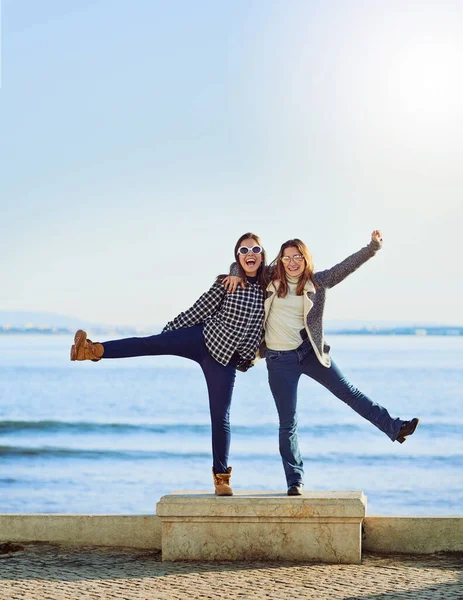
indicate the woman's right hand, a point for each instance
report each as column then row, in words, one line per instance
column 231, row 282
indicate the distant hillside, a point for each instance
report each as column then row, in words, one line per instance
column 332, row 325
column 12, row 322
column 21, row 322
column 19, row 318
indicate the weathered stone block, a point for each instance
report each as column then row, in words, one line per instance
column 318, row 526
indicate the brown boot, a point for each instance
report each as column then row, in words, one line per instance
column 222, row 483
column 408, row 428
column 85, row 349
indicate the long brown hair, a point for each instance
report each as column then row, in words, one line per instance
column 279, row 272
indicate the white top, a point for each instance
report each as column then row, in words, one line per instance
column 285, row 320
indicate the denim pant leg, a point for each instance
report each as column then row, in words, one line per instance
column 187, row 343
column 336, row 383
column 283, row 377
column 220, row 381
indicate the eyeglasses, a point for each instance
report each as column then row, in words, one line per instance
column 298, row 258
column 244, row 250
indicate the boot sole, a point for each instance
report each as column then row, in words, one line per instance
column 79, row 339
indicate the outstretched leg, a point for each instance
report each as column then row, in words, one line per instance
column 336, row 383
column 187, row 342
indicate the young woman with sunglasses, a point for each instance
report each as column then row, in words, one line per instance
column 294, row 346
column 221, row 332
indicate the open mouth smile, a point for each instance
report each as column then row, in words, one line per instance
column 250, row 262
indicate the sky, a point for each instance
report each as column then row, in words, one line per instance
column 139, row 140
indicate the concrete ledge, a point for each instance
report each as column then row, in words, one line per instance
column 386, row 535
column 83, row 530
column 413, row 535
column 320, row 526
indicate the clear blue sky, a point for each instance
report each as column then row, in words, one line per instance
column 139, row 139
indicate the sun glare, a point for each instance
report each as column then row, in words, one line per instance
column 427, row 81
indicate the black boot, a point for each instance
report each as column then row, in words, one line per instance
column 295, row 489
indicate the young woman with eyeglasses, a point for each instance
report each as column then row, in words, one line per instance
column 221, row 332
column 294, row 346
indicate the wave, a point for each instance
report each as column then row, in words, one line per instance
column 50, row 426
column 336, row 458
column 85, row 427
column 57, row 452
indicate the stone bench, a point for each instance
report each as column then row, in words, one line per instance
column 318, row 526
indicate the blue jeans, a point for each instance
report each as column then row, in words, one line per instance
column 220, row 379
column 284, row 371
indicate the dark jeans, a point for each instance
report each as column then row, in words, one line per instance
column 220, row 379
column 284, row 371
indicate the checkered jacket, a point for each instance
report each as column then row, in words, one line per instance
column 232, row 322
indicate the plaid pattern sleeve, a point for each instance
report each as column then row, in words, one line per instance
column 204, row 307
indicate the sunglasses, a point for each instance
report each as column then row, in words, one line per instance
column 244, row 250
column 298, row 258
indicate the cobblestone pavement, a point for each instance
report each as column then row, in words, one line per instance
column 45, row 572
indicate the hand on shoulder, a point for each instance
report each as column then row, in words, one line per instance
column 231, row 283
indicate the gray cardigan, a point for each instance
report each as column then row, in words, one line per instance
column 314, row 300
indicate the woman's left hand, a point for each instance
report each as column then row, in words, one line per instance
column 377, row 236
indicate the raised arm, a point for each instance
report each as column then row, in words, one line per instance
column 205, row 306
column 336, row 274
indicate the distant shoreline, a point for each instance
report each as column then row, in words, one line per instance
column 414, row 331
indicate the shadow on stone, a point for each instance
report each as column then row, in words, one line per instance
column 8, row 547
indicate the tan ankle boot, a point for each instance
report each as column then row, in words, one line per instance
column 85, row 349
column 222, row 483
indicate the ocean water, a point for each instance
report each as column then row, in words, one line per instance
column 114, row 436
